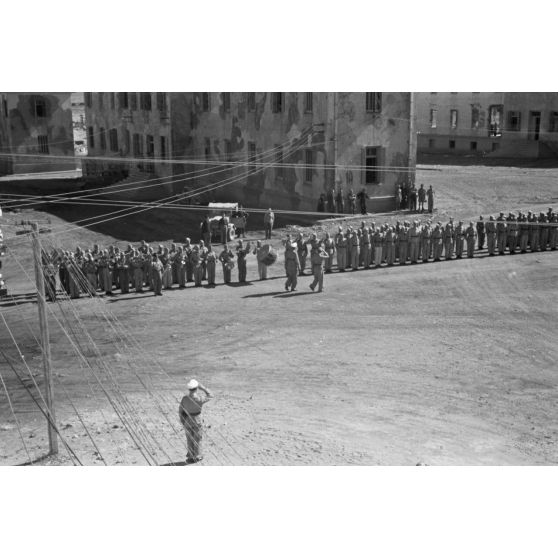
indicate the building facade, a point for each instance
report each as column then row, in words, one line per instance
column 5, row 142
column 40, row 130
column 516, row 125
column 261, row 149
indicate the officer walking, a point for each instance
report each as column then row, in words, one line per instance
column 190, row 417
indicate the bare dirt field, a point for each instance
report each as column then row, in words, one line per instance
column 448, row 363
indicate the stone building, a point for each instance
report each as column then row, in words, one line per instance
column 261, row 149
column 517, row 125
column 39, row 124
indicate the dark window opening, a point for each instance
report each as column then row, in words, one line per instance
column 553, row 123
column 91, row 135
column 207, row 149
column 452, row 144
column 161, row 102
column 473, row 146
column 206, row 102
column 137, row 146
column 309, row 162
column 252, row 155
column 494, row 146
column 514, row 121
column 103, row 138
column 371, row 174
column 134, row 101
column 226, row 102
column 123, row 100
column 112, row 101
column 433, row 118
column 308, row 102
column 431, row 144
column 88, row 100
column 373, row 102
column 276, row 102
column 40, row 107
column 228, row 150
column 251, row 101
column 100, row 99
column 145, row 101
column 475, row 117
column 163, row 147
column 43, row 144
column 113, row 139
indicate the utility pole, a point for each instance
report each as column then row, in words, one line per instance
column 45, row 341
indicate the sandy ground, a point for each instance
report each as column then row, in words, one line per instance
column 449, row 363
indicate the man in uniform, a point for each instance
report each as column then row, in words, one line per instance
column 403, row 242
column 501, row 233
column 340, row 201
column 398, row 198
column 523, row 232
column 430, row 196
column 421, row 198
column 480, row 232
column 292, row 266
column 449, row 238
column 543, row 234
column 341, row 249
column 190, row 416
column 378, row 240
column 414, row 234
column 317, row 257
column 470, row 239
column 269, row 219
column 241, row 254
column 354, row 244
column 302, row 251
column 437, row 242
column 329, row 247
column 425, row 235
column 491, row 235
column 362, row 197
column 459, row 233
column 512, row 229
column 552, row 230
column 157, row 275
column 351, row 197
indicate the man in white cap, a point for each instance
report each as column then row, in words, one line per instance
column 269, row 219
column 189, row 413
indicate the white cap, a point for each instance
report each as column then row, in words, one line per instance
column 192, row 384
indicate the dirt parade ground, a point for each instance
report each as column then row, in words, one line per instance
column 440, row 363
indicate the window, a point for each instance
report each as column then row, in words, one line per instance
column 228, row 150
column 308, row 102
column 149, row 146
column 277, row 102
column 207, row 149
column 163, row 147
column 514, row 120
column 5, row 107
column 495, row 116
column 145, row 101
column 103, row 138
column 452, row 144
column 252, row 155
column 123, row 100
column 279, row 162
column 100, row 97
column 371, row 174
column 453, row 119
column 126, row 146
column 206, row 102
column 473, row 146
column 475, row 117
column 113, row 139
column 40, row 107
column 91, row 136
column 431, row 144
column 433, row 118
column 373, row 102
column 494, row 146
column 161, row 102
column 112, row 101
column 251, row 101
column 88, row 100
column 226, row 101
column 134, row 101
column 552, row 125
column 137, row 146
column 309, row 162
column 43, row 144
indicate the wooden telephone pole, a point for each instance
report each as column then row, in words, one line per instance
column 45, row 341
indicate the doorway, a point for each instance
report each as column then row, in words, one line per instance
column 534, row 125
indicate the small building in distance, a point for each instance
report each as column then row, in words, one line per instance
column 260, row 149
column 507, row 125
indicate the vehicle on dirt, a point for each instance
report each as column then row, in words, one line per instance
column 216, row 211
